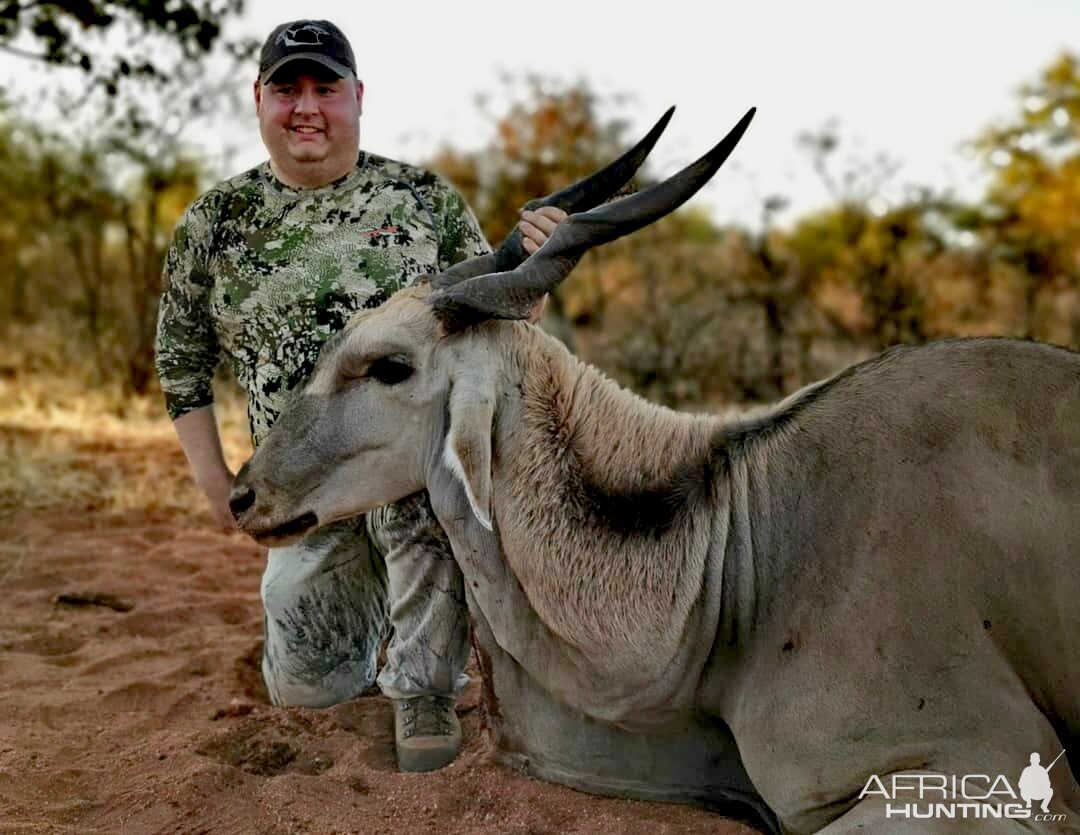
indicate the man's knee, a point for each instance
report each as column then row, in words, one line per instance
column 326, row 615
column 332, row 570
column 288, row 690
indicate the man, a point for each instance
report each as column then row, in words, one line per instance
column 264, row 268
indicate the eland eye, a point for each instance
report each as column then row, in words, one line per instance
column 389, row 371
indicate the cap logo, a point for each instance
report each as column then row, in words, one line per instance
column 309, row 34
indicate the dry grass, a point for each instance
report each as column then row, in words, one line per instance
column 37, row 469
column 63, row 445
column 12, row 556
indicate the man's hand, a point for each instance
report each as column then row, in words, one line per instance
column 537, row 226
column 218, row 494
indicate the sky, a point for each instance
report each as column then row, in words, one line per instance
column 914, row 80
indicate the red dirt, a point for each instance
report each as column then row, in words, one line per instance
column 156, row 720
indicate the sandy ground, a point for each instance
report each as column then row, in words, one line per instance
column 154, row 719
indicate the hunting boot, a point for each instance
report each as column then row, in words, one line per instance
column 427, row 733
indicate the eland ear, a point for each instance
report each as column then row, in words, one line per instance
column 468, row 443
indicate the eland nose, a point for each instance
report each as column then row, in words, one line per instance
column 241, row 499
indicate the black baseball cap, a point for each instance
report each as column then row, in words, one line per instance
column 306, row 40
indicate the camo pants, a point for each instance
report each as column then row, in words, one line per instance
column 331, row 599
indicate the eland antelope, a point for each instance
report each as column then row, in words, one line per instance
column 875, row 583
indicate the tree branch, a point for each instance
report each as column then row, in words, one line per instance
column 34, row 56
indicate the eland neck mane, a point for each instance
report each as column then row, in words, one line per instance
column 589, row 479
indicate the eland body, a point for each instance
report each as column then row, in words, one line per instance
column 878, row 577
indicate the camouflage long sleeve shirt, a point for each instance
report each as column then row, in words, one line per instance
column 264, row 274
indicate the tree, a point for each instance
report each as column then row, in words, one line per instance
column 94, row 196
column 866, row 244
column 1031, row 218
column 92, row 244
column 159, row 34
column 677, row 310
column 549, row 136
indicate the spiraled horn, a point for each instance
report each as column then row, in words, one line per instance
column 577, row 197
column 513, row 294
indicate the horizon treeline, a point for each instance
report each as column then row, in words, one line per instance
column 687, row 312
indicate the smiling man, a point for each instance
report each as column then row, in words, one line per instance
column 263, row 269
column 309, row 101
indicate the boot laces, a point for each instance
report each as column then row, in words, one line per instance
column 428, row 716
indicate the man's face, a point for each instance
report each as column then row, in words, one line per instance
column 309, row 121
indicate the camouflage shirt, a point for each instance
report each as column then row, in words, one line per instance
column 265, row 274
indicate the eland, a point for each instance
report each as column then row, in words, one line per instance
column 875, row 580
